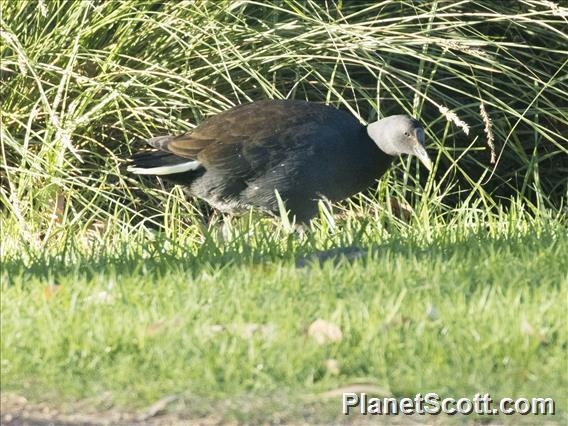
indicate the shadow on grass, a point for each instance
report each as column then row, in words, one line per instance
column 161, row 255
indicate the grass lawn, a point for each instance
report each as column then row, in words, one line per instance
column 457, row 313
column 119, row 292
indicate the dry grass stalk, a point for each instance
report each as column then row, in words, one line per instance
column 460, row 47
column 42, row 8
column 488, row 131
column 452, row 116
column 12, row 40
column 556, row 10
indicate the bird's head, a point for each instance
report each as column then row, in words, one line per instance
column 400, row 134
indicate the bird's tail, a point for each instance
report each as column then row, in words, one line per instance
column 160, row 163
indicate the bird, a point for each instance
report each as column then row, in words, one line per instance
column 260, row 154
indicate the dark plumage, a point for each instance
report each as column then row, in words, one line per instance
column 237, row 159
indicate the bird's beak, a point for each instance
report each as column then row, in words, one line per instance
column 422, row 155
column 420, row 151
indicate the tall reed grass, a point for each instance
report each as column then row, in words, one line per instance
column 84, row 82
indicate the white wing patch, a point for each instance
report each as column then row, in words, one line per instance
column 165, row 170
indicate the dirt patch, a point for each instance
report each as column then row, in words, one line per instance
column 172, row 411
column 18, row 411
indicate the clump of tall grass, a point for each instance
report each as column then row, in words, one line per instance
column 83, row 82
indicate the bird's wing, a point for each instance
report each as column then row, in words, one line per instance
column 250, row 138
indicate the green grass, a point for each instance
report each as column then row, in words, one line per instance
column 84, row 82
column 460, row 311
column 464, row 288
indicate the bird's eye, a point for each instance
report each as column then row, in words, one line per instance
column 406, row 134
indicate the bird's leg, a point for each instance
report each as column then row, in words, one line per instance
column 221, row 230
